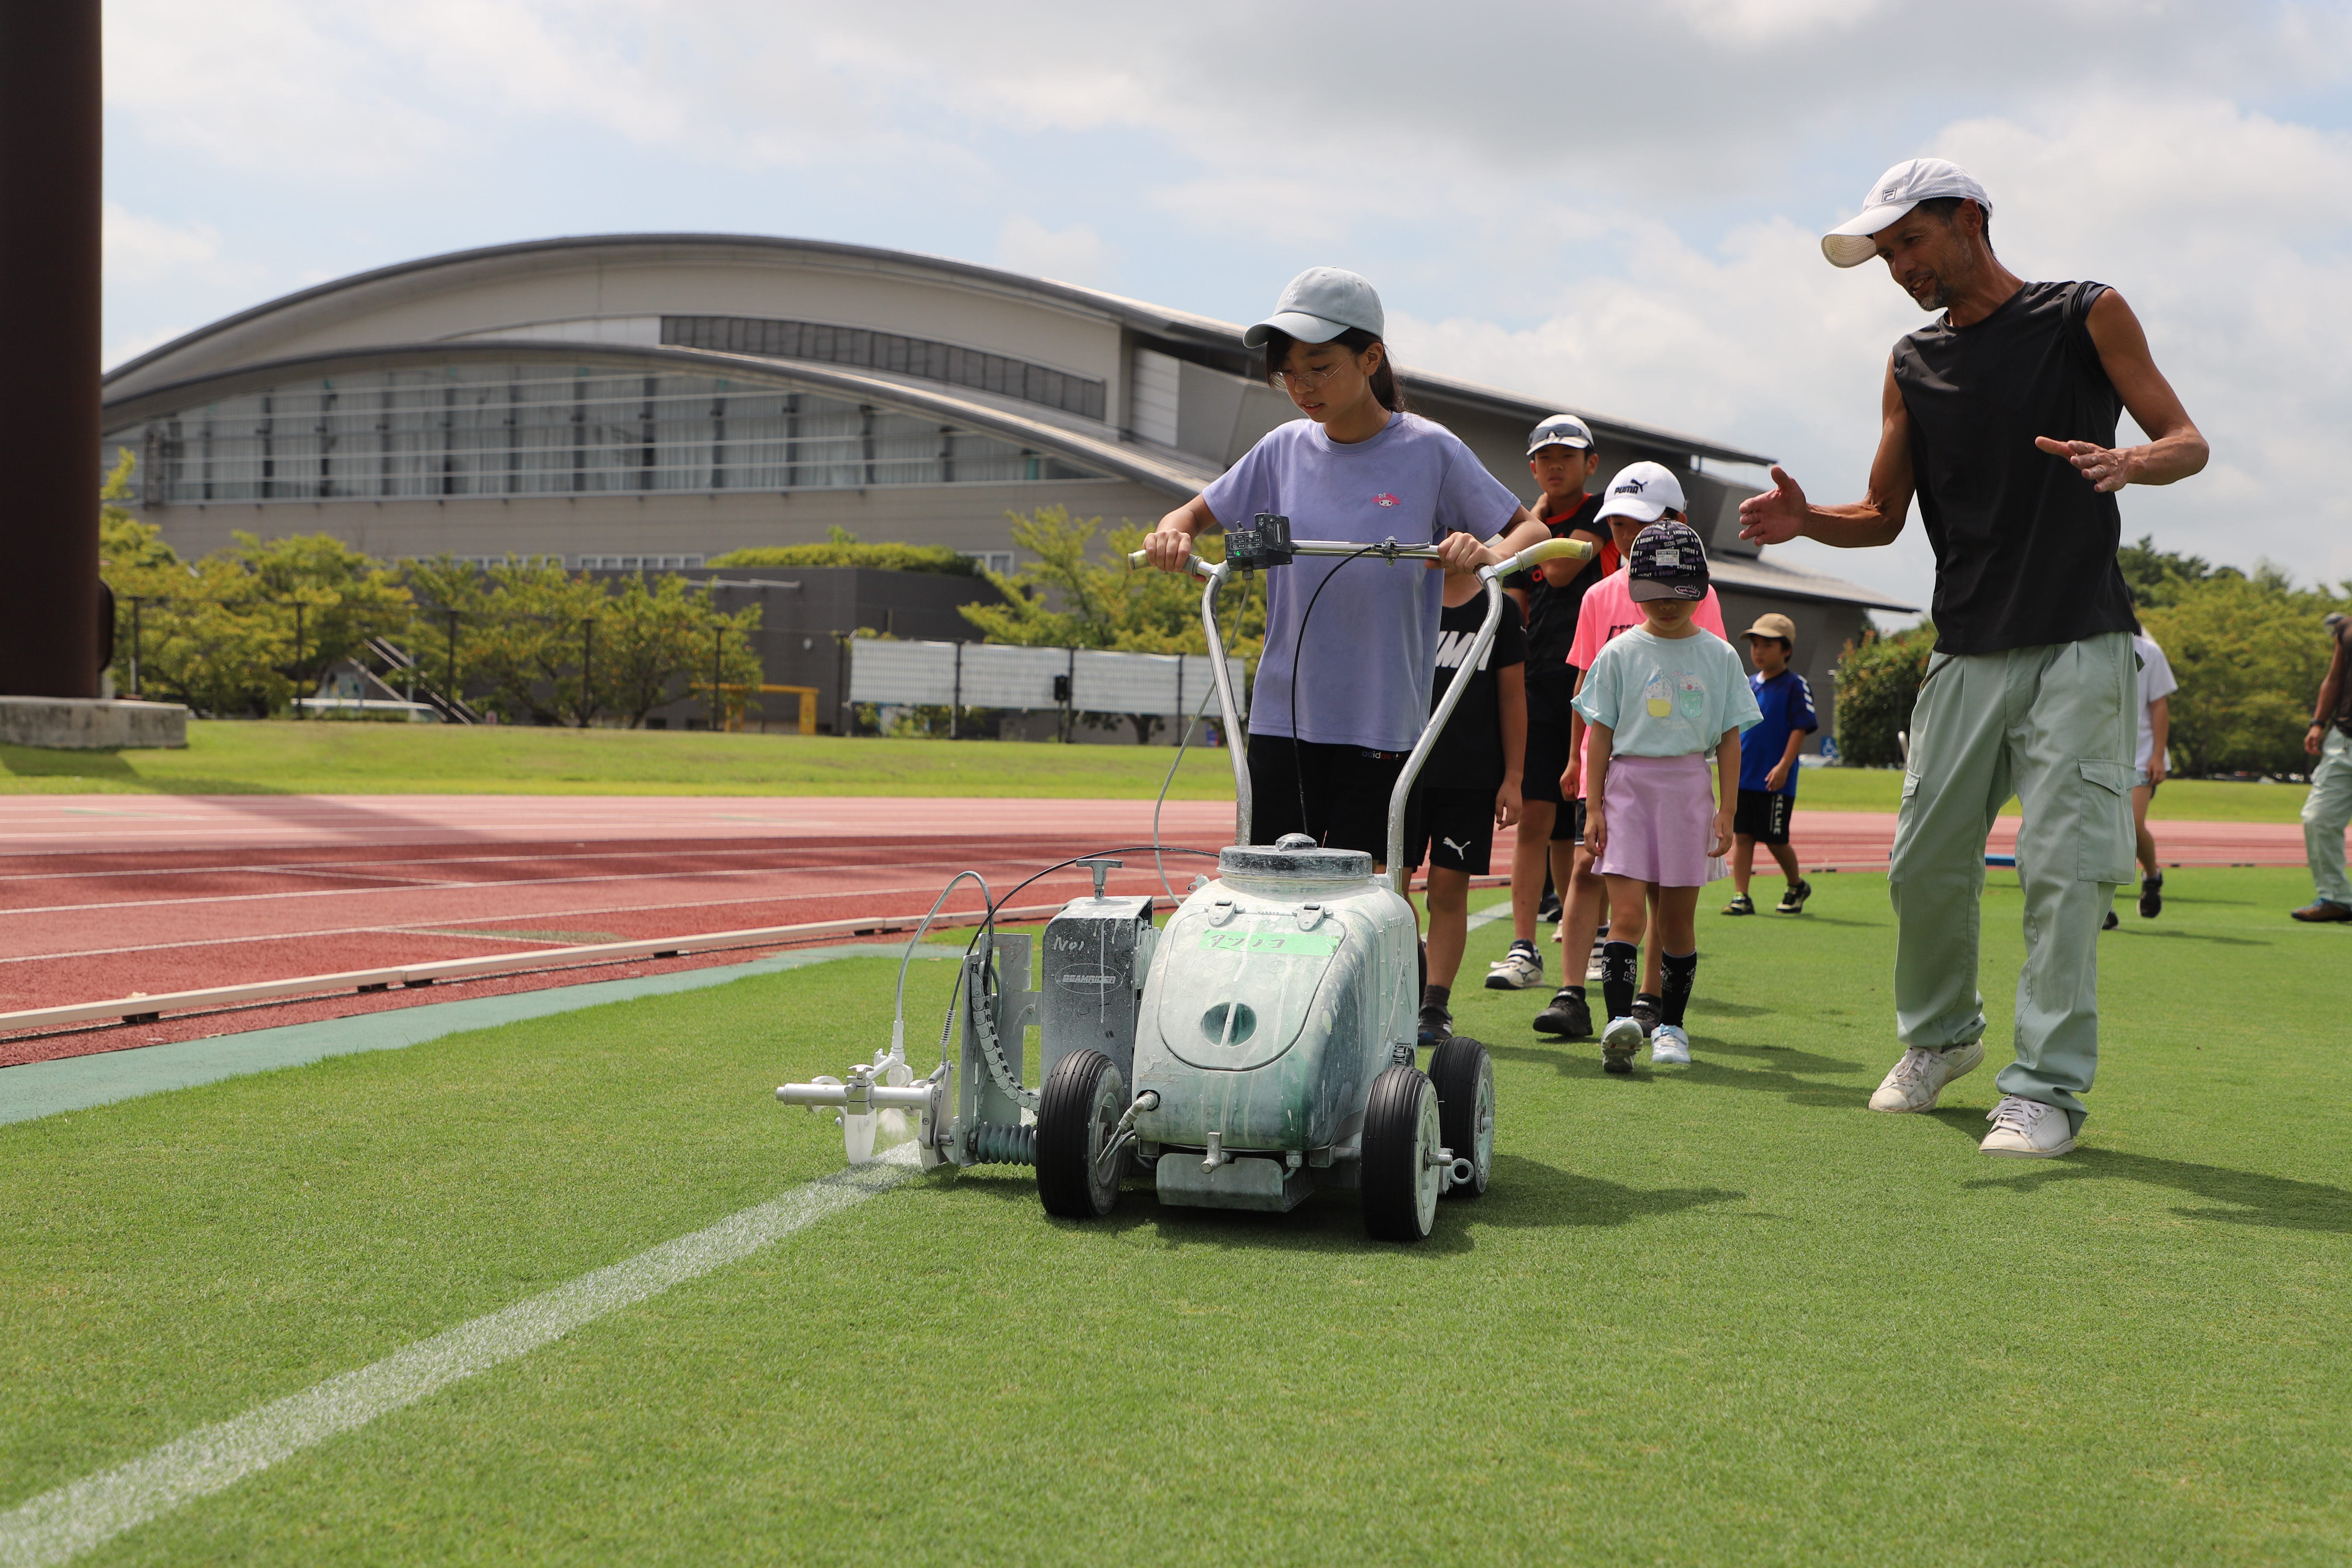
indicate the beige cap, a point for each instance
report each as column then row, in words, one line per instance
column 1774, row 626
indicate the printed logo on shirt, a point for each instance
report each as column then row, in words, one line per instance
column 1658, row 696
column 1693, row 699
column 1453, row 646
column 1384, row 499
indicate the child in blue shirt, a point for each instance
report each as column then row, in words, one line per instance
column 1768, row 766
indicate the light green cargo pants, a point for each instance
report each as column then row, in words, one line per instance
column 2324, row 813
column 2053, row 726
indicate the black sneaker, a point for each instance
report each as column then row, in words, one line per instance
column 1792, row 902
column 2110, row 922
column 1436, row 1026
column 1547, row 912
column 2151, row 895
column 1568, row 1015
column 1645, row 1013
column 1741, row 904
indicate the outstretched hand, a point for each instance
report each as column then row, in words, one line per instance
column 2108, row 467
column 1778, row 515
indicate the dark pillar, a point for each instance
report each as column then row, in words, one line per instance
column 49, row 176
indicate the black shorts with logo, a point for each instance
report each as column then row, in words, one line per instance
column 1547, row 754
column 1763, row 815
column 1346, row 791
column 1459, row 824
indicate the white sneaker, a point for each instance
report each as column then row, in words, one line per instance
column 1592, row 965
column 1669, row 1046
column 1516, row 970
column 1921, row 1076
column 2027, row 1129
column 1619, row 1041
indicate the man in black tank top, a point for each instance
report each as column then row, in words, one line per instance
column 1999, row 418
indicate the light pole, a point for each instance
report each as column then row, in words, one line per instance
column 587, row 668
column 716, row 633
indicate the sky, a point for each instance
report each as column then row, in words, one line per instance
column 1613, row 206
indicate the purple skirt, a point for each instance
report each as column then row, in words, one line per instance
column 1660, row 817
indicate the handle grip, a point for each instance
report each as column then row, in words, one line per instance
column 1193, row 563
column 1555, row 550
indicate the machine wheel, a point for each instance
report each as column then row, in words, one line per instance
column 1400, row 1141
column 1465, row 1076
column 1079, row 1108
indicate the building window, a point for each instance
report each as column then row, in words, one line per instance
column 997, row 560
column 541, row 429
column 639, row 562
column 889, row 351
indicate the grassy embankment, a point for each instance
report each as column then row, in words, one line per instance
column 285, row 758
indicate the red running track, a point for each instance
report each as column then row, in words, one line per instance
column 104, row 896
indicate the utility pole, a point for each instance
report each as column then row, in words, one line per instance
column 298, row 658
column 135, row 604
column 452, row 688
column 587, row 668
column 50, row 138
column 717, row 634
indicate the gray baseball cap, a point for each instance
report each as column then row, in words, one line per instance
column 1318, row 305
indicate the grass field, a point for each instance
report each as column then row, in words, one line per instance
column 1721, row 1313
column 285, row 758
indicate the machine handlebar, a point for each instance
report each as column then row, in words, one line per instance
column 1545, row 550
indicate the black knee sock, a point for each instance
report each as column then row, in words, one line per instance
column 1682, row 973
column 1619, row 962
column 1435, row 995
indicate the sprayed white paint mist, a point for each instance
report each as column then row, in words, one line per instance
column 60, row 1524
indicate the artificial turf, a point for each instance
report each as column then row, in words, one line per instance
column 282, row 757
column 1719, row 1313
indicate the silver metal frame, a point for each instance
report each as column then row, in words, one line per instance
column 1214, row 578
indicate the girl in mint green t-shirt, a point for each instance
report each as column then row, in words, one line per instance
column 1660, row 699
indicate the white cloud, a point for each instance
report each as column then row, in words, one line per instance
column 144, row 250
column 1072, row 255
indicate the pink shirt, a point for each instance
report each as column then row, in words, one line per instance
column 1609, row 610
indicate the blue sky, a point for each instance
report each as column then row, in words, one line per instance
column 1613, row 206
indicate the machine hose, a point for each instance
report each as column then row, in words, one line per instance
column 994, row 1143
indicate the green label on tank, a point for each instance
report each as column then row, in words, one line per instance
column 1297, row 943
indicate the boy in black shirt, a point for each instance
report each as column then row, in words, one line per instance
column 1561, row 457
column 1470, row 785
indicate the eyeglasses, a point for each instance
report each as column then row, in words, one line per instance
column 1307, row 380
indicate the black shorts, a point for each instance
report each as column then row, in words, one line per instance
column 1763, row 815
column 1547, row 754
column 1346, row 795
column 1459, row 825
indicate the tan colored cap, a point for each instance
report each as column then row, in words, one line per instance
column 1774, row 626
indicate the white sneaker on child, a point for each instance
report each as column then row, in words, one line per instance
column 1669, row 1046
column 1619, row 1041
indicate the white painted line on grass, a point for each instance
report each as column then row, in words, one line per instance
column 59, row 1525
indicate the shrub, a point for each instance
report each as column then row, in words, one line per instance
column 1878, row 682
column 843, row 549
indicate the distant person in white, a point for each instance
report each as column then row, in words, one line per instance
column 2156, row 688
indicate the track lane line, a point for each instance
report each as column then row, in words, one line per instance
column 65, row 1521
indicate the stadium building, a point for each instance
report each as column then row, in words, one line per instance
column 650, row 401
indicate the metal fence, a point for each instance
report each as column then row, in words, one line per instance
column 987, row 675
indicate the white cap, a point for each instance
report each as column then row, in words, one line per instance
column 1560, row 430
column 1318, row 305
column 1643, row 492
column 1896, row 192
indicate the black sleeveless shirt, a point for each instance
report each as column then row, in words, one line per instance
column 2025, row 549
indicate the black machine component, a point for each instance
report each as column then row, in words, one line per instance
column 1265, row 542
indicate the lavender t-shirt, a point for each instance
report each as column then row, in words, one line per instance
column 1371, row 649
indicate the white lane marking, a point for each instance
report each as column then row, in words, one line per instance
column 307, row 935
column 1490, row 914
column 60, row 1524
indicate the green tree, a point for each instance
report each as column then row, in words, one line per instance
column 2248, row 655
column 1070, row 597
column 1877, row 683
column 538, row 645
